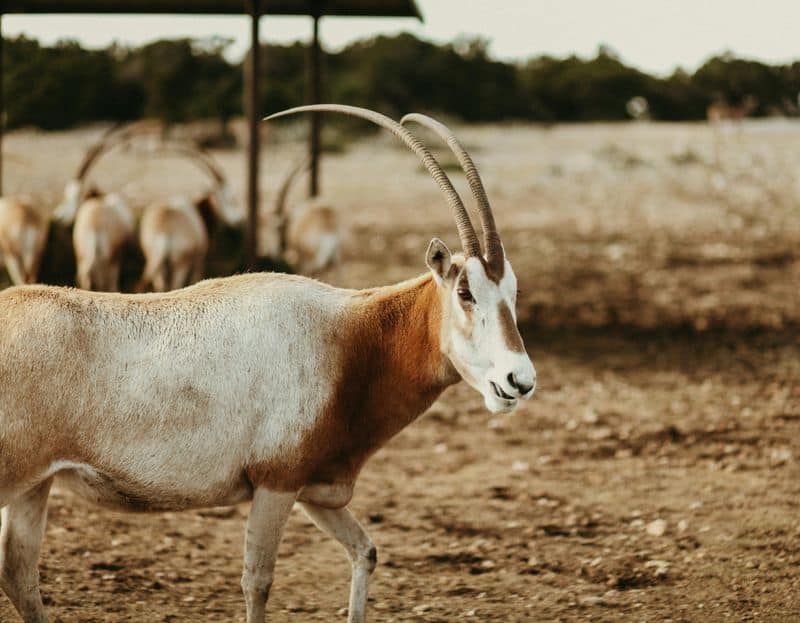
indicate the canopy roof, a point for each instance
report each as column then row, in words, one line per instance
column 362, row 8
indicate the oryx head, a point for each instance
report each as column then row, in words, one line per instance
column 477, row 290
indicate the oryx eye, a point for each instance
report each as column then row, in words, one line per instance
column 465, row 295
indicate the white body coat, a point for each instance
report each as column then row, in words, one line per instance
column 198, row 365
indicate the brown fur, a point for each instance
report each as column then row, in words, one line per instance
column 392, row 369
column 508, row 327
column 494, row 271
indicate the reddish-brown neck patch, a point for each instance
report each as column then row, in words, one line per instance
column 391, row 370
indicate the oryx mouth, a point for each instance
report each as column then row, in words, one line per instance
column 498, row 391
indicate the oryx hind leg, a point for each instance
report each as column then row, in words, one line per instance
column 112, row 276
column 21, row 533
column 180, row 274
column 342, row 526
column 159, row 280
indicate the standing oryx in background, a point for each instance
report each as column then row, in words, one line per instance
column 308, row 235
column 103, row 225
column 175, row 235
column 265, row 387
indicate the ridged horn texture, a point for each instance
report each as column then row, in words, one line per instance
column 469, row 241
column 495, row 257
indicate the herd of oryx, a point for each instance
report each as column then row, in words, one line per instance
column 173, row 234
column 266, row 387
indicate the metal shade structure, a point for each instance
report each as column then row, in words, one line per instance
column 316, row 9
column 348, row 8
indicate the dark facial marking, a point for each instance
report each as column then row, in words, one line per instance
column 509, row 329
column 463, row 281
column 494, row 272
column 464, row 293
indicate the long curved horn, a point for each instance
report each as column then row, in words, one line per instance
column 280, row 202
column 469, row 241
column 491, row 239
column 283, row 191
column 95, row 150
column 116, row 134
column 205, row 159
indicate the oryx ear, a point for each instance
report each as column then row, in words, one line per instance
column 438, row 260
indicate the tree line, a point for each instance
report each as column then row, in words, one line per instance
column 60, row 86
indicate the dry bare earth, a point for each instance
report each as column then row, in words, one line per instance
column 655, row 475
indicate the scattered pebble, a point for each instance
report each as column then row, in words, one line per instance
column 657, row 527
column 659, row 567
column 520, row 466
column 779, row 456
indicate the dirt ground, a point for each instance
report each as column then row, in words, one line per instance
column 655, row 475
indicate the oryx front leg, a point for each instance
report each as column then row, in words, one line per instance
column 264, row 530
column 21, row 536
column 342, row 526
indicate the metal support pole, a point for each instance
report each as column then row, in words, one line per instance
column 314, row 98
column 253, row 121
column 2, row 104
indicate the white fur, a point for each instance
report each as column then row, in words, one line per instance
column 191, row 416
column 66, row 210
column 226, row 203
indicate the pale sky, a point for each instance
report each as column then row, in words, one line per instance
column 655, row 35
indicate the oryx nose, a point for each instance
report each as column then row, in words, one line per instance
column 523, row 385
